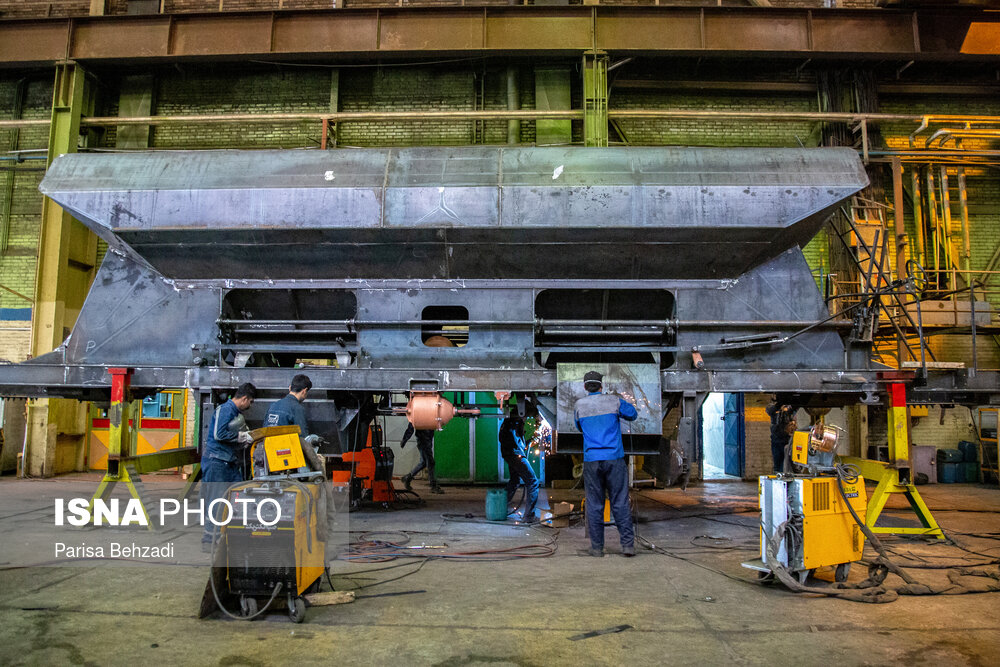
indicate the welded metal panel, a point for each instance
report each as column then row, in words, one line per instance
column 639, row 384
column 456, row 212
column 132, row 316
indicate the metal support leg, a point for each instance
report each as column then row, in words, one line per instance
column 121, row 447
column 896, row 477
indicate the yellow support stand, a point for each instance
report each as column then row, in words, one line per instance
column 121, row 451
column 889, row 479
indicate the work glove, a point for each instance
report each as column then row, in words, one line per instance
column 244, row 438
column 402, row 445
column 312, row 440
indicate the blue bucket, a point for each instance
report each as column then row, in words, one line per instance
column 496, row 505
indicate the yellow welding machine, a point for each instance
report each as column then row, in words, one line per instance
column 800, row 447
column 284, row 452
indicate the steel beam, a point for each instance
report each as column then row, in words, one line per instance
column 595, row 99
column 67, row 253
column 363, row 33
column 93, row 381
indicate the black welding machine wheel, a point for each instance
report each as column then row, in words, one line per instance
column 296, row 609
column 248, row 606
column 840, row 574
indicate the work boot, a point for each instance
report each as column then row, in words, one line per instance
column 531, row 518
column 437, row 489
column 206, row 547
column 628, row 551
column 406, row 482
column 596, row 553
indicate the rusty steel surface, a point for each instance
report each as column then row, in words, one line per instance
column 362, row 33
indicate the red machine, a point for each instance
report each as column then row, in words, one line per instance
column 367, row 473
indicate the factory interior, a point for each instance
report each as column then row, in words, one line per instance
column 499, row 332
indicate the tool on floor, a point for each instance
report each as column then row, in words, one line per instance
column 274, row 545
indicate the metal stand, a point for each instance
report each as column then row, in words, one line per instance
column 123, row 464
column 894, row 476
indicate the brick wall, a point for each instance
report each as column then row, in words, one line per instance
column 402, row 89
column 722, row 132
column 19, row 182
column 757, row 436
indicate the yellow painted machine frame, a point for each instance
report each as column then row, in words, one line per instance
column 888, row 473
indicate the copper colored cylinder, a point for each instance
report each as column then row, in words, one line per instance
column 429, row 411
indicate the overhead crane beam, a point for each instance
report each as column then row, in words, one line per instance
column 942, row 34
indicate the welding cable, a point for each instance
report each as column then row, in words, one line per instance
column 383, row 551
column 222, row 608
column 420, row 564
column 670, row 554
column 850, row 474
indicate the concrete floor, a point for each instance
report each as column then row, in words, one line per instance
column 520, row 612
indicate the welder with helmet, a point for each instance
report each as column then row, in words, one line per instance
column 514, row 452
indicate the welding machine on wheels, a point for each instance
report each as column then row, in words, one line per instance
column 806, row 514
column 274, row 543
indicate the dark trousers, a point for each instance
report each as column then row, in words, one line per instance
column 778, row 452
column 216, row 478
column 607, row 479
column 521, row 473
column 426, row 461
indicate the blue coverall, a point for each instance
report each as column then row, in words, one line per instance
column 604, row 470
column 221, row 461
column 514, row 452
column 286, row 412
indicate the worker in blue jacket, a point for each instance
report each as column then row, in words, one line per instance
column 289, row 411
column 514, row 453
column 604, row 470
column 222, row 455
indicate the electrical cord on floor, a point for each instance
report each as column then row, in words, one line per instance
column 222, row 608
column 377, row 550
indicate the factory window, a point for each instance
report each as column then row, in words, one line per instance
column 445, row 326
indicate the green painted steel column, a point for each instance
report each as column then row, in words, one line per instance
column 67, row 252
column 595, row 98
